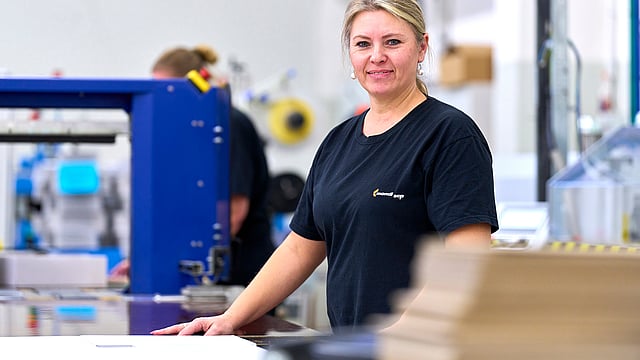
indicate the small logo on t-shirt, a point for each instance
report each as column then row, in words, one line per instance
column 390, row 194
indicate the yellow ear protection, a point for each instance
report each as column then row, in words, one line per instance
column 198, row 80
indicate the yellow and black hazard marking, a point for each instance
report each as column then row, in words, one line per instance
column 570, row 246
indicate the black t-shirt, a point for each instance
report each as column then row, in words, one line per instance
column 249, row 176
column 372, row 198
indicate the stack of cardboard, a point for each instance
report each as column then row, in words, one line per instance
column 464, row 64
column 489, row 304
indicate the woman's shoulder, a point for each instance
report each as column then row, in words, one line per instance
column 448, row 115
column 447, row 122
column 345, row 127
column 338, row 135
column 239, row 117
column 438, row 108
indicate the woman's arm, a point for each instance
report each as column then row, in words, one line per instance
column 239, row 208
column 476, row 235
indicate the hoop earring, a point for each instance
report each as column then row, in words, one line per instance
column 420, row 71
column 352, row 75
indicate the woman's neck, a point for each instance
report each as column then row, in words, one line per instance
column 384, row 114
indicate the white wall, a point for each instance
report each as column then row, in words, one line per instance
column 122, row 38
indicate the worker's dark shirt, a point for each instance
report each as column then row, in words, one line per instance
column 372, row 198
column 249, row 176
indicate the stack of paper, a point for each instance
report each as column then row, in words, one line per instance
column 475, row 304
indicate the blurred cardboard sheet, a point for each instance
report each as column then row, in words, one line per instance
column 131, row 347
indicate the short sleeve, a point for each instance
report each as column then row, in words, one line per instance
column 462, row 188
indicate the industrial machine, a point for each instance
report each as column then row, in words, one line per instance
column 179, row 169
column 597, row 200
column 523, row 225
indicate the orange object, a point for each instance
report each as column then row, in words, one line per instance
column 360, row 109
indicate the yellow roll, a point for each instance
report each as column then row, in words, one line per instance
column 290, row 120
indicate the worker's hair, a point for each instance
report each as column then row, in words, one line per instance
column 179, row 61
column 406, row 10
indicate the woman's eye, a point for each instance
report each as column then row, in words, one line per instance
column 362, row 44
column 393, row 42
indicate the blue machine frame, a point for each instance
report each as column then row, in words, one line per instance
column 179, row 168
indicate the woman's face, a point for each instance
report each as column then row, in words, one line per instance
column 384, row 54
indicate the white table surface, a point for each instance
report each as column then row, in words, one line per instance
column 122, row 347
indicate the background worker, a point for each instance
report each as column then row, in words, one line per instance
column 409, row 166
column 250, row 219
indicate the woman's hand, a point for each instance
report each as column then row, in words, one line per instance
column 120, row 272
column 210, row 325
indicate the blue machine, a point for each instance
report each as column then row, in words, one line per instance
column 25, row 236
column 179, row 170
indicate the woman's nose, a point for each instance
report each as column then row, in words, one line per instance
column 378, row 55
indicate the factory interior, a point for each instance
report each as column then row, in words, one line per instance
column 95, row 172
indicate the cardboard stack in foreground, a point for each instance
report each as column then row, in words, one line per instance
column 493, row 304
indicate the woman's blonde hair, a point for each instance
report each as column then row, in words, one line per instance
column 406, row 10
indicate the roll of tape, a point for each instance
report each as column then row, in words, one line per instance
column 290, row 120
